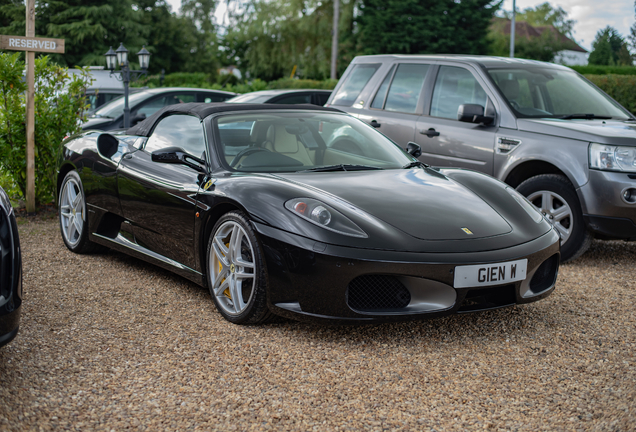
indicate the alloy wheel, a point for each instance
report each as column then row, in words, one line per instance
column 556, row 210
column 232, row 268
column 72, row 212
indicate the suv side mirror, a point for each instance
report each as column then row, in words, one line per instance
column 473, row 113
column 413, row 149
column 176, row 155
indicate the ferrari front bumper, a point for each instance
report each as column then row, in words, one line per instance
column 313, row 281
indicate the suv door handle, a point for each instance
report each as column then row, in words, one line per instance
column 375, row 124
column 429, row 133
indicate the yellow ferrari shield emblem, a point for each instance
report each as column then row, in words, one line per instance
column 467, row 231
column 209, row 184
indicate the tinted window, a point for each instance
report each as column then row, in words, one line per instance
column 212, row 97
column 178, row 131
column 406, row 88
column 321, row 98
column 356, row 80
column 455, row 86
column 151, row 107
column 378, row 101
column 294, row 99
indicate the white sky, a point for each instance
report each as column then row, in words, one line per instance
column 590, row 15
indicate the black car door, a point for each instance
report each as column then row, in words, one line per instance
column 158, row 199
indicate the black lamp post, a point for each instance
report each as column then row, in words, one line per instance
column 113, row 58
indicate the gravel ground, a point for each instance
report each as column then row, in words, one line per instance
column 108, row 342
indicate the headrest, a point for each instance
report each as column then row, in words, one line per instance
column 510, row 88
column 282, row 141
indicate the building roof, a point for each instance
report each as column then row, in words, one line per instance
column 527, row 31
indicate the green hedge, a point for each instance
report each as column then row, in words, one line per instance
column 605, row 70
column 620, row 87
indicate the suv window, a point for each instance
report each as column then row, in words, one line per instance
column 455, row 86
column 155, row 105
column 178, row 130
column 357, row 79
column 406, row 87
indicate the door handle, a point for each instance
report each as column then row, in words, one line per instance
column 375, row 124
column 429, row 133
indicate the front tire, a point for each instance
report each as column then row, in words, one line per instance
column 554, row 196
column 73, row 224
column 236, row 271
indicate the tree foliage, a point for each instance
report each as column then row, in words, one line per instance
column 425, row 26
column 546, row 15
column 59, row 104
column 609, row 48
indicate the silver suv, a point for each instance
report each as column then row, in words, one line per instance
column 541, row 128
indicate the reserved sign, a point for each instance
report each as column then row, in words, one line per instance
column 21, row 43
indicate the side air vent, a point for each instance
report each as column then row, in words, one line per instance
column 375, row 293
column 506, row 145
column 545, row 276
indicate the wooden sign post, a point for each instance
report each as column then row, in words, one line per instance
column 31, row 44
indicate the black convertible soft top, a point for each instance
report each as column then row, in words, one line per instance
column 202, row 110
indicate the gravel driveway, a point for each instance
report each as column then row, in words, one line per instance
column 108, row 342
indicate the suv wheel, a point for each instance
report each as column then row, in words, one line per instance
column 556, row 198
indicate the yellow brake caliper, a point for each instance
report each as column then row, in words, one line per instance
column 227, row 290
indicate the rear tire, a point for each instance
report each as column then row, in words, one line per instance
column 555, row 197
column 236, row 271
column 73, row 223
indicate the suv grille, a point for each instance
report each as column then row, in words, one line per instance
column 374, row 293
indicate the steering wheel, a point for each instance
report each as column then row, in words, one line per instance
column 246, row 152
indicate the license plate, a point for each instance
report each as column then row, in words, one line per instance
column 490, row 274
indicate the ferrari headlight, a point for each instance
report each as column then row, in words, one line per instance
column 325, row 216
column 612, row 158
column 534, row 213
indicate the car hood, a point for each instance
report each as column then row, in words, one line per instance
column 422, row 203
column 615, row 132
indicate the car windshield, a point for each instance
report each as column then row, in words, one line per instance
column 116, row 108
column 305, row 141
column 549, row 92
column 250, row 98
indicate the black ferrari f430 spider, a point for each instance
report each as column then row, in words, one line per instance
column 304, row 212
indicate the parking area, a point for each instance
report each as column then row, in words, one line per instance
column 108, row 342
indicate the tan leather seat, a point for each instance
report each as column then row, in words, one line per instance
column 280, row 141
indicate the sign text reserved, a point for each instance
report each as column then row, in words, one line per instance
column 21, row 43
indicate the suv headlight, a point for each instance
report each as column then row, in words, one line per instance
column 325, row 216
column 612, row 158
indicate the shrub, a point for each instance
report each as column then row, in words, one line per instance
column 621, row 87
column 604, row 70
column 59, row 105
column 289, row 83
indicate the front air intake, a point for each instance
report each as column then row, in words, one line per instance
column 545, row 276
column 377, row 293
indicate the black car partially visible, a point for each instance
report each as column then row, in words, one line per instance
column 10, row 272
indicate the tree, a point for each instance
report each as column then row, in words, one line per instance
column 609, row 48
column 546, row 15
column 198, row 16
column 425, row 26
column 268, row 38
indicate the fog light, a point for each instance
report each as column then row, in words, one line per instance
column 629, row 195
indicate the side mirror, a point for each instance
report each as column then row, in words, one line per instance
column 473, row 113
column 137, row 118
column 413, row 149
column 176, row 155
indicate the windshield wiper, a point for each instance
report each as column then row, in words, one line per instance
column 341, row 167
column 415, row 164
column 584, row 116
